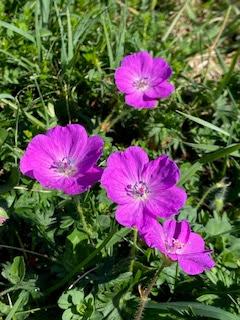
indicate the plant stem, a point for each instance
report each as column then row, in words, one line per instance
column 217, row 185
column 30, row 252
column 144, row 295
column 82, row 217
column 67, row 103
column 133, row 251
column 109, row 122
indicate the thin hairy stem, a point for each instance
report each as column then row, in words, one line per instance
column 133, row 251
column 82, row 217
column 145, row 293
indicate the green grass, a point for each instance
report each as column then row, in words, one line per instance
column 57, row 66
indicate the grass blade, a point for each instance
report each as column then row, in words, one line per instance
column 31, row 118
column 45, row 11
column 21, row 299
column 209, row 157
column 15, row 29
column 175, row 20
column 220, row 153
column 121, row 37
column 63, row 49
column 204, row 123
column 198, row 309
column 227, row 76
column 70, row 37
column 107, row 38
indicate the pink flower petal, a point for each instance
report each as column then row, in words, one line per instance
column 92, row 152
column 73, row 140
column 195, row 259
column 161, row 71
column 161, row 173
column 115, row 182
column 163, row 90
column 153, row 235
column 195, row 263
column 194, row 244
column 123, row 169
column 131, row 216
column 138, row 101
column 167, row 202
column 140, row 62
column 124, row 79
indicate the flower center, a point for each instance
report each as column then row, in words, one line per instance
column 138, row 191
column 173, row 245
column 141, row 84
column 65, row 167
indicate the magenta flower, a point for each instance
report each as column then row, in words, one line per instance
column 143, row 79
column 64, row 159
column 3, row 219
column 143, row 189
column 175, row 240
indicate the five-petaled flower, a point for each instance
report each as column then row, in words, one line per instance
column 175, row 240
column 143, row 189
column 64, row 159
column 143, row 79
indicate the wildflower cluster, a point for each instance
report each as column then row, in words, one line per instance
column 65, row 158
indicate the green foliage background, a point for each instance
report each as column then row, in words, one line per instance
column 65, row 259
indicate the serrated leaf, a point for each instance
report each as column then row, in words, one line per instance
column 218, row 225
column 14, row 272
column 76, row 237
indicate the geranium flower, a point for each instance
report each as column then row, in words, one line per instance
column 3, row 219
column 143, row 189
column 176, row 241
column 64, row 159
column 143, row 79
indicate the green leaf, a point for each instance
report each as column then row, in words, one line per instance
column 4, row 309
column 199, row 309
column 118, row 236
column 14, row 272
column 76, row 237
column 81, row 265
column 218, row 225
column 204, row 123
column 189, row 173
column 104, row 221
column 6, row 96
column 13, row 28
column 11, row 181
column 67, row 314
